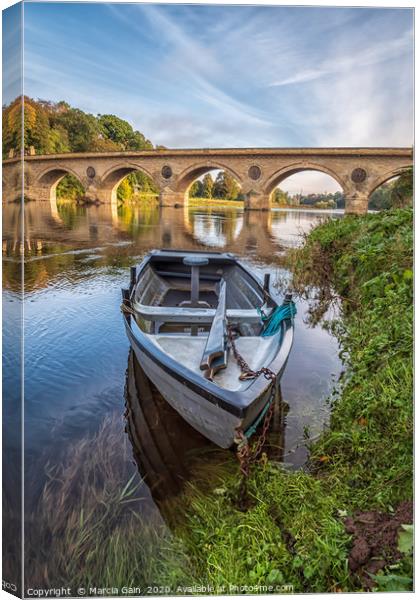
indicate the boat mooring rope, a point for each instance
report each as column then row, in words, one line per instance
column 125, row 308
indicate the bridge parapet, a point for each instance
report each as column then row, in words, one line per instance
column 359, row 171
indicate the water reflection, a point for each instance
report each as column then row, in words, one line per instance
column 165, row 447
column 52, row 230
column 214, row 228
column 77, row 258
column 280, row 224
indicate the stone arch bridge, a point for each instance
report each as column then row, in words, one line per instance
column 359, row 171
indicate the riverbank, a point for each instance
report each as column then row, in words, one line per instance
column 303, row 528
column 215, row 202
column 300, row 527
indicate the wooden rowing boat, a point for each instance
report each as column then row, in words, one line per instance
column 189, row 316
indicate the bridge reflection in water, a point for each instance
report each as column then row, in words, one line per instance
column 167, row 450
column 51, row 227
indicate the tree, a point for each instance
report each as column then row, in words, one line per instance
column 139, row 142
column 115, row 129
column 196, row 190
column 82, row 129
column 124, row 191
column 56, row 127
column 12, row 127
column 101, row 144
column 225, row 187
column 402, row 189
column 58, row 141
column 122, row 134
column 380, row 199
column 208, row 186
column 35, row 131
column 142, row 182
column 394, row 193
column 281, row 197
column 70, row 188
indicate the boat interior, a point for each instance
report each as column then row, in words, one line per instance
column 185, row 303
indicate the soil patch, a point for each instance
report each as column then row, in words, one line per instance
column 375, row 540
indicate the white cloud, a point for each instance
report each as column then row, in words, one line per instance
column 202, row 76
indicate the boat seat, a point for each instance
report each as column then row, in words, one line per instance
column 195, row 262
column 176, row 314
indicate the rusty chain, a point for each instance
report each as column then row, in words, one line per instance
column 245, row 454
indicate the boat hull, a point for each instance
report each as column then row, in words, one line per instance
column 211, row 420
column 215, row 412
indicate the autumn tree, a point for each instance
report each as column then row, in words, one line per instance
column 208, row 186
column 56, row 127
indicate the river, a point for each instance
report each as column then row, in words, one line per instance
column 78, row 370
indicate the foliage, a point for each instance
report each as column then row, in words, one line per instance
column 196, row 190
column 124, row 191
column 54, row 127
column 217, row 202
column 207, row 186
column 122, row 134
column 402, row 189
column 135, row 185
column 224, row 187
column 367, row 264
column 289, row 536
column 69, row 188
column 394, row 194
column 323, row 200
column 84, row 530
column 380, row 199
column 281, row 197
column 82, row 129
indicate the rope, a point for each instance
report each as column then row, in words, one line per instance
column 272, row 322
column 127, row 309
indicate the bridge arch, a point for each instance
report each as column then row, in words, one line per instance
column 386, row 177
column 51, row 177
column 112, row 178
column 285, row 172
column 187, row 177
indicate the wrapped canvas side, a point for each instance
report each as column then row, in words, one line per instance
column 12, row 298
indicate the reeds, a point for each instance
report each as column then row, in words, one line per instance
column 92, row 526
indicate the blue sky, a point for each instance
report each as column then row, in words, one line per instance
column 12, row 52
column 227, row 76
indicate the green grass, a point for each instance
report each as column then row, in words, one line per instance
column 368, row 264
column 294, row 531
column 290, row 535
column 215, row 202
